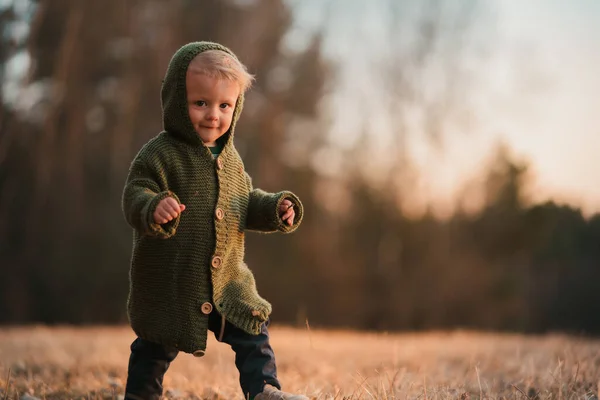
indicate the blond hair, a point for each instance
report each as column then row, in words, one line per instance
column 222, row 65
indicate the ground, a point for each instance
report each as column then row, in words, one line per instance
column 91, row 363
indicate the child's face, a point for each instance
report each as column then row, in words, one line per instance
column 211, row 102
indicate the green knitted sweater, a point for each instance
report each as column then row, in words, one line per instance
column 199, row 256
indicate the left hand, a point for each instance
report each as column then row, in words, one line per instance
column 286, row 212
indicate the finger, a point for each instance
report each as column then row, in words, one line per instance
column 173, row 206
column 290, row 220
column 162, row 210
column 172, row 202
column 159, row 213
column 165, row 215
column 181, row 207
column 288, row 214
column 172, row 212
column 162, row 213
column 159, row 219
column 284, row 210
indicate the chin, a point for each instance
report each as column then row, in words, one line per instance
column 208, row 138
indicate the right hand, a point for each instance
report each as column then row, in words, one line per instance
column 167, row 210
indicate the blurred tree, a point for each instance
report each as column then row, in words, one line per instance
column 408, row 82
column 89, row 99
column 98, row 101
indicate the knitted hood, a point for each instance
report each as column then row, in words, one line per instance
column 176, row 120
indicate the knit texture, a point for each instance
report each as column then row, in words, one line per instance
column 199, row 256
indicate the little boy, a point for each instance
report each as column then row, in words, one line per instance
column 189, row 200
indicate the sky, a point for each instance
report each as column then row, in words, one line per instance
column 537, row 90
column 535, row 86
column 559, row 132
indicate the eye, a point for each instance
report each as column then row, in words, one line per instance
column 225, row 105
column 200, row 103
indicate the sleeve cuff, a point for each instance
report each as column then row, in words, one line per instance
column 298, row 209
column 165, row 230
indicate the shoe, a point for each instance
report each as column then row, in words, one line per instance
column 272, row 393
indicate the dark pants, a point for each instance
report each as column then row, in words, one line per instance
column 254, row 359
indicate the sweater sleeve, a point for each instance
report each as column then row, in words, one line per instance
column 141, row 196
column 263, row 214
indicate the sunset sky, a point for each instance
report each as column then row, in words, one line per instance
column 535, row 86
column 539, row 93
column 560, row 132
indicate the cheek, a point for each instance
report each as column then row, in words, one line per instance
column 225, row 124
column 194, row 114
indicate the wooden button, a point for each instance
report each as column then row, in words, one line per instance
column 219, row 163
column 216, row 262
column 198, row 353
column 219, row 214
column 206, row 308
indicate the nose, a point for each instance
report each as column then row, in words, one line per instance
column 212, row 114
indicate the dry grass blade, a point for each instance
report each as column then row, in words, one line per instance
column 337, row 394
column 360, row 385
column 522, row 392
column 479, row 382
column 309, row 334
column 7, row 385
column 393, row 381
column 352, row 366
column 573, row 380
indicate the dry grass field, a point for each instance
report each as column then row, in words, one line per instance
column 90, row 363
